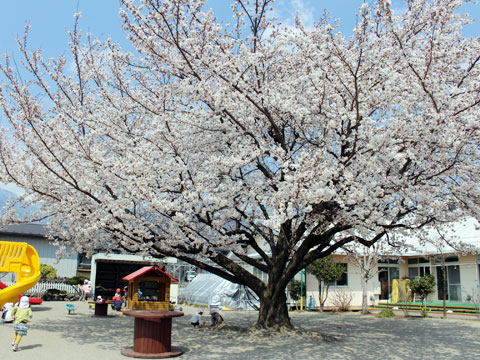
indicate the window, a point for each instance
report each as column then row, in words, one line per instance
column 421, row 260
column 84, row 262
column 343, row 280
column 151, row 291
column 418, row 267
column 418, row 271
column 447, row 259
column 389, row 261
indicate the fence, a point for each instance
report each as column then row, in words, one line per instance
column 41, row 287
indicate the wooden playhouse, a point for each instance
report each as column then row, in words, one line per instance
column 149, row 289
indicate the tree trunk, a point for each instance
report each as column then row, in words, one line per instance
column 323, row 296
column 364, row 296
column 273, row 314
column 320, row 297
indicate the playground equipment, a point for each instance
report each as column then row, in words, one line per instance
column 70, row 308
column 23, row 260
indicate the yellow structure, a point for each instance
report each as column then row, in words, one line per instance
column 22, row 259
column 149, row 289
column 400, row 291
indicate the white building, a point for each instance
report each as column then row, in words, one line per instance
column 462, row 270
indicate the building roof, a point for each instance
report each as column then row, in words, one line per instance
column 145, row 270
column 131, row 258
column 463, row 234
column 37, row 230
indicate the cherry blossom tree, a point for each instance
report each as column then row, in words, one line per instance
column 214, row 141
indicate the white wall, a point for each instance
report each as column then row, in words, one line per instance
column 469, row 278
column 354, row 287
column 469, row 275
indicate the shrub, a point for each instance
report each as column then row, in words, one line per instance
column 386, row 313
column 405, row 299
column 47, row 272
column 341, row 299
column 76, row 280
column 294, row 289
column 56, row 292
column 423, row 286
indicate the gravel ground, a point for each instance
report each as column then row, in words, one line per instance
column 53, row 334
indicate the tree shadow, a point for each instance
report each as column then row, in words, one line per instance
column 106, row 332
column 343, row 336
column 339, row 336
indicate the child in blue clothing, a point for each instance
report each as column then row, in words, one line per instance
column 21, row 315
column 117, row 300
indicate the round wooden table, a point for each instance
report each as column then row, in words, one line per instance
column 101, row 308
column 152, row 338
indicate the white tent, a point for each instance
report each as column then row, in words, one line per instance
column 205, row 287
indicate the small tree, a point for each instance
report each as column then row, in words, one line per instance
column 47, row 272
column 423, row 286
column 326, row 270
column 296, row 290
column 366, row 260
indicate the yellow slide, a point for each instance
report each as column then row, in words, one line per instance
column 22, row 259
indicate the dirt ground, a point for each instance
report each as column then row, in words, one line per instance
column 53, row 334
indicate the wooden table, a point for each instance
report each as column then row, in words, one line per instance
column 152, row 337
column 101, row 308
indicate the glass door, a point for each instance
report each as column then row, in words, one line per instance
column 385, row 276
column 453, row 283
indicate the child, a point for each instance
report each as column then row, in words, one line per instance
column 21, row 314
column 196, row 319
column 117, row 300
column 216, row 318
column 125, row 295
column 87, row 289
column 7, row 312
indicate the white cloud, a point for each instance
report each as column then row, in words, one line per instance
column 12, row 188
column 286, row 10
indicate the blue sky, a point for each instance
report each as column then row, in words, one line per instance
column 50, row 19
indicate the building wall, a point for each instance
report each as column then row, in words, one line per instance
column 469, row 275
column 354, row 287
column 469, row 278
column 66, row 267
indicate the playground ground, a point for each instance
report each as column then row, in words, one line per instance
column 53, row 334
